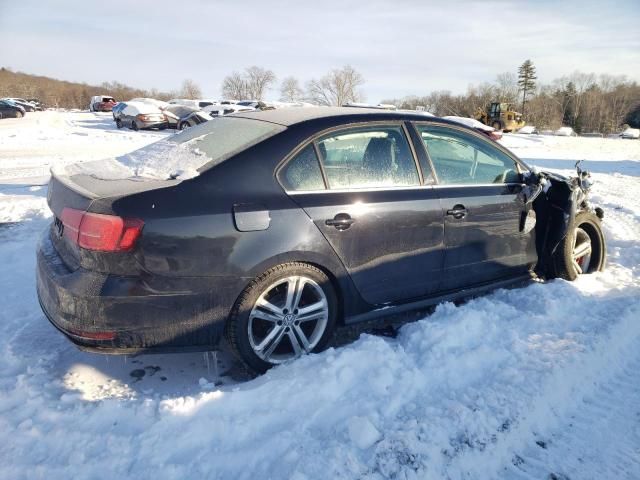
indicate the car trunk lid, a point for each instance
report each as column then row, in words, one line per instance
column 82, row 196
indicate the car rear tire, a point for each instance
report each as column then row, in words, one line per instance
column 134, row 126
column 583, row 250
column 288, row 311
column 182, row 126
column 118, row 123
column 19, row 115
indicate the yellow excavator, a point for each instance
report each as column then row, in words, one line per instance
column 500, row 116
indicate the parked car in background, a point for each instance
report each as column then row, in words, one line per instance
column 192, row 119
column 101, row 103
column 226, row 109
column 565, row 132
column 9, row 109
column 193, row 103
column 632, row 133
column 141, row 116
column 270, row 229
column 528, row 130
column 27, row 106
column 248, row 103
column 37, row 103
column 178, row 114
column 158, row 103
column 117, row 109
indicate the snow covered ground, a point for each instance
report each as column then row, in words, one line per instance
column 536, row 382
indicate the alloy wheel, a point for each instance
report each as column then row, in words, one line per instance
column 581, row 255
column 288, row 319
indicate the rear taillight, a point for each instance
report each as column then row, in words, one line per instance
column 105, row 233
column 103, row 335
column 151, row 117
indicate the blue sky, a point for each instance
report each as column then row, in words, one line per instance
column 401, row 47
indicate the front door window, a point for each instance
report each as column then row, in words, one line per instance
column 462, row 159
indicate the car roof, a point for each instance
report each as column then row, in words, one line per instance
column 143, row 107
column 293, row 115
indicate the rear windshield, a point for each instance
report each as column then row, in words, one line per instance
column 198, row 148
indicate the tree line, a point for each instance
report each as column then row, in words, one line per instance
column 336, row 87
column 585, row 101
column 63, row 94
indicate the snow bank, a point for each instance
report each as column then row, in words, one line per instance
column 527, row 130
column 565, row 132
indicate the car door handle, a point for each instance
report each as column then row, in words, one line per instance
column 457, row 212
column 341, row 221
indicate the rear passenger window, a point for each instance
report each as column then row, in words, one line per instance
column 302, row 172
column 368, row 157
column 459, row 158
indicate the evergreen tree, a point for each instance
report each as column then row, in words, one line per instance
column 633, row 117
column 568, row 103
column 526, row 80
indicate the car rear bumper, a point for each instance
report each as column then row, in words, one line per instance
column 116, row 314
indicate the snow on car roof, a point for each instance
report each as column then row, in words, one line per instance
column 291, row 116
column 142, row 107
column 469, row 122
column 158, row 103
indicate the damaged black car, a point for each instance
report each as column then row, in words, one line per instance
column 272, row 229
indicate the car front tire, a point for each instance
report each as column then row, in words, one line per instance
column 583, row 250
column 288, row 311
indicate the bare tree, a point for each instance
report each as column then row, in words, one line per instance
column 252, row 84
column 190, row 90
column 290, row 90
column 258, row 81
column 337, row 87
column 234, row 87
column 507, row 87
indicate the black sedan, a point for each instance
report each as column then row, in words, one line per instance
column 192, row 119
column 297, row 222
column 9, row 109
column 177, row 115
column 21, row 102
